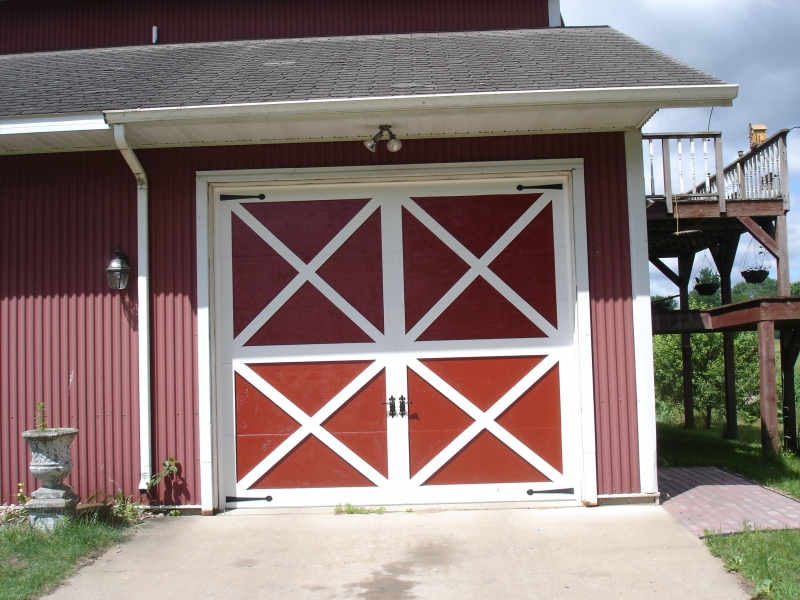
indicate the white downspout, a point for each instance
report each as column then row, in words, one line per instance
column 144, row 304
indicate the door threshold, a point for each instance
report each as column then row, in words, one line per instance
column 407, row 508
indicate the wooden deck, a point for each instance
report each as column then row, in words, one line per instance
column 741, row 316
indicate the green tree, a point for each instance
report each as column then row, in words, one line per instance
column 708, row 381
column 748, row 291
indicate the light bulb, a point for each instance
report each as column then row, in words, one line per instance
column 393, row 145
column 371, row 146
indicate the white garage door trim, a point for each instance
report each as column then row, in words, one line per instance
column 568, row 172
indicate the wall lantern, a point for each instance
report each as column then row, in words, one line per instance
column 393, row 145
column 118, row 271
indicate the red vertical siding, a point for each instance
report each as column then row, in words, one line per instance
column 64, row 213
column 36, row 25
column 65, row 338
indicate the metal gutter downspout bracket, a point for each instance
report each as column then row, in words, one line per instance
column 143, row 302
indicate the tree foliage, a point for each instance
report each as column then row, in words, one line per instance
column 708, row 380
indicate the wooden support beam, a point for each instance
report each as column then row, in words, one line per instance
column 762, row 237
column 668, row 273
column 685, row 264
column 729, row 362
column 724, row 255
column 782, row 240
column 790, row 349
column 710, row 210
column 770, row 438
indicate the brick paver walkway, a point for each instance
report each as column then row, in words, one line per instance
column 709, row 498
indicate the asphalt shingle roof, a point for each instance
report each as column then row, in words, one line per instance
column 94, row 80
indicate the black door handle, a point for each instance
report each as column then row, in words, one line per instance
column 403, row 404
column 392, row 407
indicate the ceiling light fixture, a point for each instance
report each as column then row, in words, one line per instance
column 393, row 145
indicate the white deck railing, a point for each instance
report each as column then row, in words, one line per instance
column 680, row 170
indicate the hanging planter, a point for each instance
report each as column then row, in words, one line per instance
column 754, row 275
column 706, row 289
column 755, row 265
column 707, row 281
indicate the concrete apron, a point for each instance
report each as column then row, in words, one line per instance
column 610, row 552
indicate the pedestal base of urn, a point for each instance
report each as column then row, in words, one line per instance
column 48, row 506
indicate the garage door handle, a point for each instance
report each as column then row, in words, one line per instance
column 392, row 407
column 403, row 406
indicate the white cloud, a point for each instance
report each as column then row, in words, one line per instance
column 752, row 44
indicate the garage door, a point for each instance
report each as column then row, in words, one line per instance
column 397, row 343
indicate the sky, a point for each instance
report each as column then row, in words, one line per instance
column 753, row 43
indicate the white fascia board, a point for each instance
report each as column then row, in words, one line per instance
column 554, row 13
column 56, row 124
column 651, row 97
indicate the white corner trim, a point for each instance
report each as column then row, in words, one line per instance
column 583, row 331
column 205, row 360
column 647, row 96
column 642, row 323
column 52, row 124
column 554, row 13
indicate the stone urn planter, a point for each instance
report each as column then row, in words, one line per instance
column 50, row 463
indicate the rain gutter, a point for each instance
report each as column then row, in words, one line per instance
column 145, row 433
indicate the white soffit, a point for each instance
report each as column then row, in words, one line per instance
column 319, row 128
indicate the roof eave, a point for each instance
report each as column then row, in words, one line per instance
column 628, row 97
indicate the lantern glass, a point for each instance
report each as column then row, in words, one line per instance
column 118, row 271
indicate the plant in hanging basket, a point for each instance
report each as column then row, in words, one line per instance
column 707, row 282
column 706, row 289
column 754, row 274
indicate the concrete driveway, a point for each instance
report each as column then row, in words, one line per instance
column 610, row 552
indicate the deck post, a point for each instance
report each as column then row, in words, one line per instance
column 790, row 348
column 784, row 172
column 685, row 264
column 724, row 257
column 770, row 438
column 782, row 241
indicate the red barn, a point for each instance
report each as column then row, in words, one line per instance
column 458, row 312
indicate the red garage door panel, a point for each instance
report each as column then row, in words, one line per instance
column 486, row 460
column 533, row 418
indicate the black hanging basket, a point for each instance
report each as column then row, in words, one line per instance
column 706, row 289
column 754, row 275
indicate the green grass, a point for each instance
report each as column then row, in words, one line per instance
column 33, row 563
column 679, row 447
column 349, row 509
column 769, row 559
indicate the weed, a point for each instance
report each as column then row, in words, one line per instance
column 174, row 513
column 21, row 497
column 349, row 509
column 170, row 468
column 409, row 510
column 123, row 508
column 40, row 417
